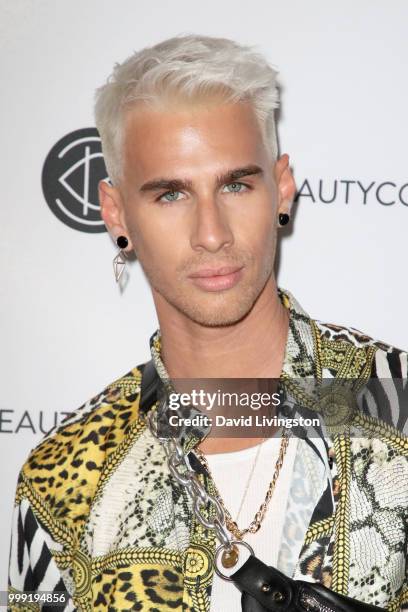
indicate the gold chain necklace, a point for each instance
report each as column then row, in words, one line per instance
column 249, row 479
column 255, row 525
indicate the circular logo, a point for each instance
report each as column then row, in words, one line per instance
column 198, row 566
column 338, row 407
column 70, row 177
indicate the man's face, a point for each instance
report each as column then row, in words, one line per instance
column 199, row 195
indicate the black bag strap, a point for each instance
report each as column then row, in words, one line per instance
column 263, row 589
column 149, row 387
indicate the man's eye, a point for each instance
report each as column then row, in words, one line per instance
column 169, row 196
column 236, row 187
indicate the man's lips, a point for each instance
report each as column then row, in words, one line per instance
column 217, row 279
column 215, row 271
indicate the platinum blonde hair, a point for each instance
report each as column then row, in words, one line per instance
column 187, row 68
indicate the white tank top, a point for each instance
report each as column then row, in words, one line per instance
column 230, row 472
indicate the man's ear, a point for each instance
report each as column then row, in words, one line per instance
column 112, row 212
column 285, row 184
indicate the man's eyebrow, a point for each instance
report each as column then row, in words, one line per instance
column 237, row 173
column 175, row 184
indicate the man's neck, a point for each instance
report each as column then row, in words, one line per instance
column 252, row 348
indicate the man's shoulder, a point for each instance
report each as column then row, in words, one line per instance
column 344, row 346
column 376, row 371
column 119, row 400
column 341, row 350
column 70, row 459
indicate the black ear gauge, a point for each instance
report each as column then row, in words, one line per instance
column 283, row 219
column 122, row 242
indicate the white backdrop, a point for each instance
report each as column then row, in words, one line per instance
column 66, row 329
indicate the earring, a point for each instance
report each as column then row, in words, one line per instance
column 119, row 261
column 283, row 219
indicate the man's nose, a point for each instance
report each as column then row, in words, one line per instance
column 211, row 228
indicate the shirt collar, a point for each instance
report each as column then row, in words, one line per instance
column 300, row 357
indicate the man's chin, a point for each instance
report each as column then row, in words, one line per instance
column 218, row 311
column 219, row 320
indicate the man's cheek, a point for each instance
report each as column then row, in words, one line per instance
column 161, row 268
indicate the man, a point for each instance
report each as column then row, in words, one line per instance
column 198, row 192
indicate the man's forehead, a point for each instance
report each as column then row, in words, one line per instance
column 205, row 123
column 218, row 139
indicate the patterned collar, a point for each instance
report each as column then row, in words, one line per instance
column 300, row 357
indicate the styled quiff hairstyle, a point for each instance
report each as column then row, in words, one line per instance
column 189, row 69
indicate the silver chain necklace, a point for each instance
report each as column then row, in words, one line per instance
column 181, row 471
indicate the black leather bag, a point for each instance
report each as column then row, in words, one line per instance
column 266, row 589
